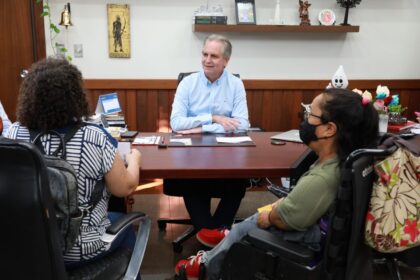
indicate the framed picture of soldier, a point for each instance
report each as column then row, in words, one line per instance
column 119, row 31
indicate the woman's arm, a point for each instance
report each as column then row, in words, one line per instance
column 121, row 180
column 272, row 218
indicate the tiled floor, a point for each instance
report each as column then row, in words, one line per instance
column 160, row 259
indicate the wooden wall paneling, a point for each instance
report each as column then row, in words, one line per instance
column 411, row 100
column 92, row 96
column 267, row 108
column 131, row 109
column 291, row 107
column 255, row 106
column 141, row 107
column 277, row 113
column 148, row 103
column 163, row 124
column 153, row 109
column 122, row 97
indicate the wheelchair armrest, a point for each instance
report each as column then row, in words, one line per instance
column 267, row 241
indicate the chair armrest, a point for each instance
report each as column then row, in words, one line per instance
column 116, row 228
column 267, row 241
column 141, row 239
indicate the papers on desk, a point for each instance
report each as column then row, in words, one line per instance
column 147, row 140
column 415, row 130
column 123, row 149
column 233, row 140
column 183, row 141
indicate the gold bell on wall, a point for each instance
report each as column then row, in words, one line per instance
column 66, row 16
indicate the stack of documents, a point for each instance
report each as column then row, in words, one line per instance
column 147, row 140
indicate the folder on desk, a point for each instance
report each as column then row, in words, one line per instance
column 291, row 135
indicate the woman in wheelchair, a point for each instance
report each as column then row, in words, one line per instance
column 337, row 122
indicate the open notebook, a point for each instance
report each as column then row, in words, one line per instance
column 291, row 135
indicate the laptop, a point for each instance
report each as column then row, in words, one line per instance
column 108, row 104
column 108, row 108
column 291, row 135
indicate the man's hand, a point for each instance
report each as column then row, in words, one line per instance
column 194, row 130
column 229, row 124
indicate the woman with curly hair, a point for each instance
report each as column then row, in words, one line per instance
column 52, row 98
column 336, row 123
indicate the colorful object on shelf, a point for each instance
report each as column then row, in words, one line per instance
column 339, row 80
column 326, row 17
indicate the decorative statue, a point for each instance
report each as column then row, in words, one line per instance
column 339, row 80
column 304, row 13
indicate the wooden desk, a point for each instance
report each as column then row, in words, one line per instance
column 263, row 160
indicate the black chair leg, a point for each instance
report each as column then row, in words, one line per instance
column 392, row 265
column 162, row 222
column 177, row 243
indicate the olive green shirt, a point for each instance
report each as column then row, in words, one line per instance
column 312, row 195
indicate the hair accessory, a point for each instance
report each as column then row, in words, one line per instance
column 365, row 100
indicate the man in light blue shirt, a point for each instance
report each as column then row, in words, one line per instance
column 210, row 101
column 5, row 119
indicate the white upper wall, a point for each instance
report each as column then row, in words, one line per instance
column 163, row 44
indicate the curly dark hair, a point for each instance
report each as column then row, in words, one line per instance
column 52, row 95
column 357, row 123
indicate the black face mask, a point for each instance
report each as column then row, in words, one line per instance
column 307, row 132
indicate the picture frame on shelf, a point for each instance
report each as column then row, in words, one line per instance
column 245, row 12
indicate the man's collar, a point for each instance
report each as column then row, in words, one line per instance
column 208, row 82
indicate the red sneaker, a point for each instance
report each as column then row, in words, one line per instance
column 191, row 266
column 211, row 237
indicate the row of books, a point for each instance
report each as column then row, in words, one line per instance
column 210, row 20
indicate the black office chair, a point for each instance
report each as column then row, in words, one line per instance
column 177, row 188
column 261, row 255
column 30, row 247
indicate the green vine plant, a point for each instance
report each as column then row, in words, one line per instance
column 58, row 49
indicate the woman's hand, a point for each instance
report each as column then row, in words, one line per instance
column 263, row 220
column 134, row 157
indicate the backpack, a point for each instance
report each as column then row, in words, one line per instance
column 63, row 186
column 394, row 210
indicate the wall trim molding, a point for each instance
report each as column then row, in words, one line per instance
column 171, row 84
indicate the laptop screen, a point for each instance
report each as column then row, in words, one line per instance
column 110, row 103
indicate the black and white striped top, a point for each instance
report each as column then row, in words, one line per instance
column 91, row 152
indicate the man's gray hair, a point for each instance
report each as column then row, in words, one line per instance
column 227, row 46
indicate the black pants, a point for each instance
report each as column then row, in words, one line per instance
column 197, row 194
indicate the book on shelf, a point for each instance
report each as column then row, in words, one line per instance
column 146, row 140
column 400, row 127
column 210, row 20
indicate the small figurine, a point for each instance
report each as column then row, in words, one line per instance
column 304, row 13
column 339, row 80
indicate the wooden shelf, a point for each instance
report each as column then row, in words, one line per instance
column 251, row 28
